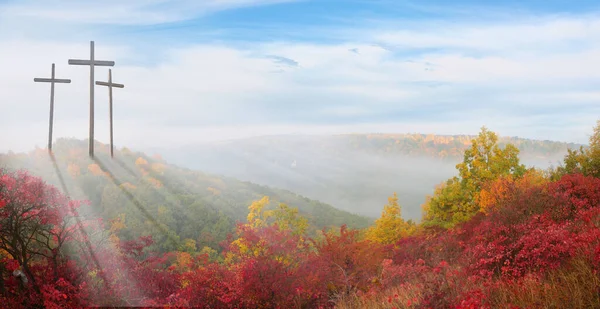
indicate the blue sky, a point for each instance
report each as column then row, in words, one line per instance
column 199, row 70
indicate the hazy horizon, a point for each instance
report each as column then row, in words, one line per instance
column 152, row 145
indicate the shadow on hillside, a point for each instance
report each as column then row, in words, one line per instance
column 124, row 166
column 135, row 202
column 168, row 189
column 132, row 173
column 79, row 223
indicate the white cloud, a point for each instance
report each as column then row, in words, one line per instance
column 537, row 78
column 511, row 36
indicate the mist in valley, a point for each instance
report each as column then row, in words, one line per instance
column 331, row 170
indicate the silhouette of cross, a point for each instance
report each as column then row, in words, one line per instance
column 92, row 62
column 110, row 86
column 52, row 80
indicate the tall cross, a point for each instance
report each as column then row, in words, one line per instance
column 92, row 63
column 52, row 80
column 110, row 86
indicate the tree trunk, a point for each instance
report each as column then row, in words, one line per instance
column 55, row 267
column 31, row 278
column 2, row 287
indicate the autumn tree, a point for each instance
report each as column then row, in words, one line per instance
column 36, row 222
column 284, row 219
column 390, row 227
column 141, row 162
column 268, row 264
column 504, row 187
column 583, row 160
column 484, row 161
column 351, row 264
column 95, row 169
column 284, row 216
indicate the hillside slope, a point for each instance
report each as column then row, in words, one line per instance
column 151, row 197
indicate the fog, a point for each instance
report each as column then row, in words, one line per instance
column 329, row 169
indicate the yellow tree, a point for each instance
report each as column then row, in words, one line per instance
column 189, row 245
column 256, row 216
column 390, row 227
column 284, row 217
column 141, row 162
column 116, row 225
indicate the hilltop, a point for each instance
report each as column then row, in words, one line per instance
column 152, row 197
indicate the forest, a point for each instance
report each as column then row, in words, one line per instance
column 137, row 231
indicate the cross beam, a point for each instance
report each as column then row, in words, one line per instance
column 52, row 80
column 110, row 86
column 92, row 62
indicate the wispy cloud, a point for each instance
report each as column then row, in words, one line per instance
column 130, row 12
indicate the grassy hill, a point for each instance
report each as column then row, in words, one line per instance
column 353, row 172
column 151, row 197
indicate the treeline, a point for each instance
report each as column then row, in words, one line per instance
column 444, row 146
column 414, row 144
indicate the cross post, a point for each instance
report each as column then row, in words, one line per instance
column 52, row 80
column 110, row 86
column 92, row 62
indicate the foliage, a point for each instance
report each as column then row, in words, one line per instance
column 534, row 242
column 390, row 227
column 36, row 224
column 484, row 161
column 537, row 244
column 583, row 160
column 351, row 264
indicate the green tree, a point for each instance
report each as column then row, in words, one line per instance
column 447, row 206
column 583, row 160
column 484, row 161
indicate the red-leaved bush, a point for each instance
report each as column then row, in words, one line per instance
column 537, row 244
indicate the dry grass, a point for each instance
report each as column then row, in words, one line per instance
column 574, row 286
column 400, row 297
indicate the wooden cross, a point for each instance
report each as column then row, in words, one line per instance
column 52, row 80
column 92, row 63
column 110, row 86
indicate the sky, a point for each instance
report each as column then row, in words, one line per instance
column 203, row 70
